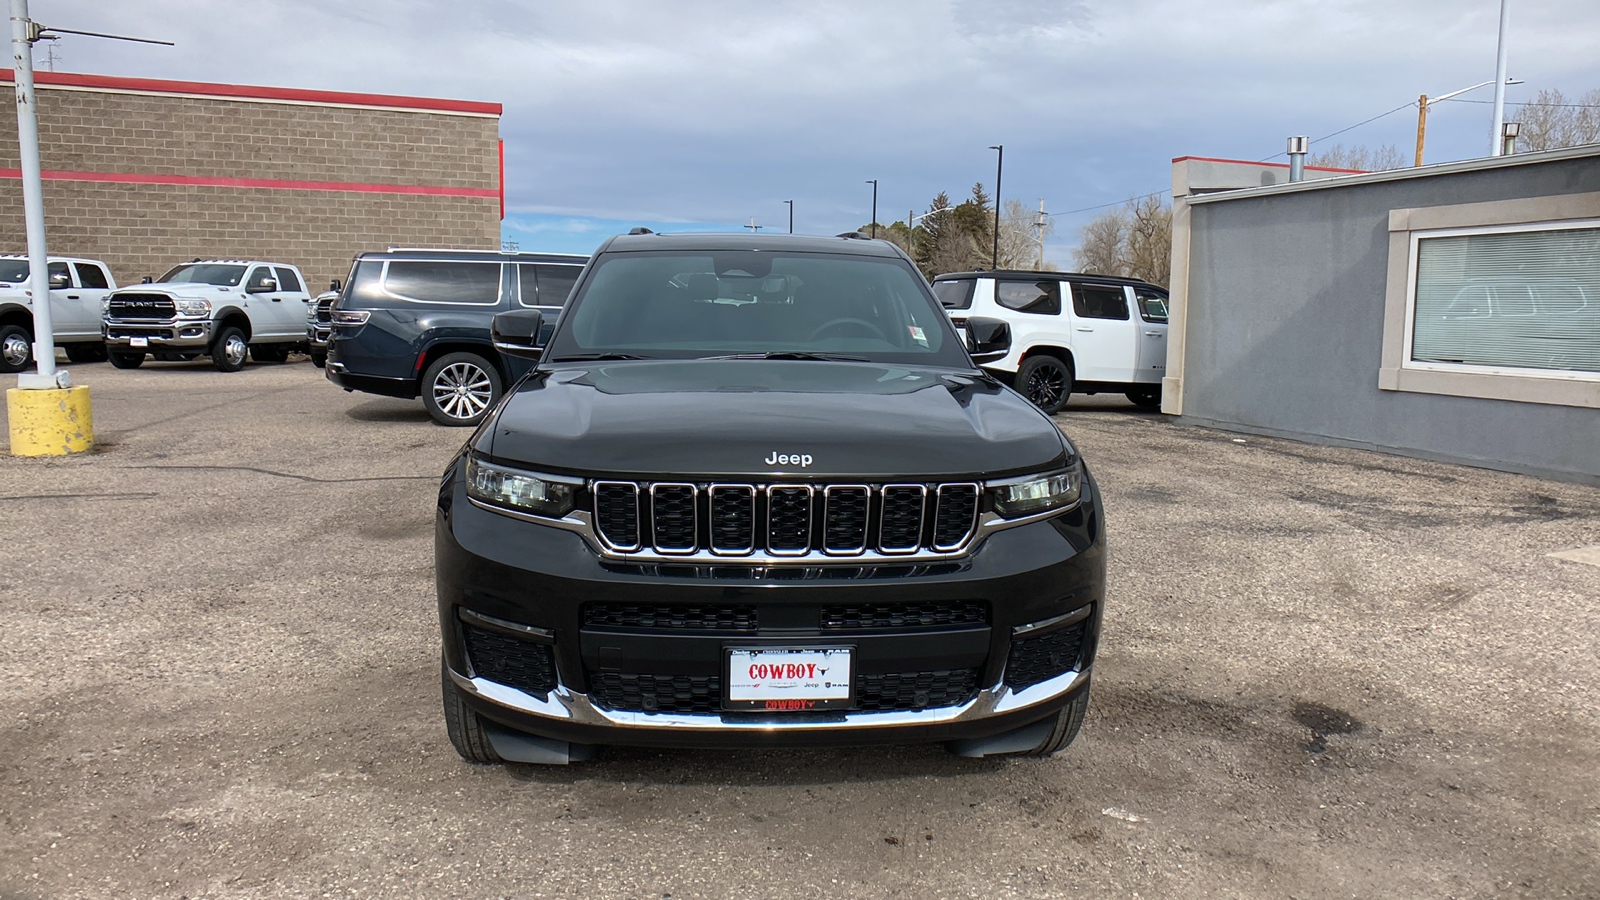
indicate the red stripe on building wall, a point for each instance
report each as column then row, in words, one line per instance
column 270, row 183
column 253, row 92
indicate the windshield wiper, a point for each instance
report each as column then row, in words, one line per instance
column 584, row 357
column 794, row 354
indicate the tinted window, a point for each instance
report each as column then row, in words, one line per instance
column 1042, row 296
column 58, row 268
column 258, row 277
column 1152, row 304
column 444, row 281
column 91, row 276
column 362, row 288
column 13, row 271
column 555, row 283
column 955, row 294
column 205, row 273
column 1097, row 302
column 681, row 304
column 287, row 280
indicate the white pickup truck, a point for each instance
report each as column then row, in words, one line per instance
column 77, row 288
column 215, row 307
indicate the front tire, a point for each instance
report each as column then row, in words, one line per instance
column 1046, row 381
column 16, row 348
column 228, row 353
column 464, row 726
column 460, row 389
column 126, row 360
column 269, row 353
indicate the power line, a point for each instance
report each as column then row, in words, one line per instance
column 1529, row 103
column 1411, row 105
column 1113, row 203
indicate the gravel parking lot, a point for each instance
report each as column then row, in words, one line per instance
column 1326, row 673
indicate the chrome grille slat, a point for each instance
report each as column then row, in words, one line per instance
column 780, row 522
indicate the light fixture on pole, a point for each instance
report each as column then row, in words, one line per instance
column 1508, row 137
column 1424, row 101
column 791, row 215
column 999, row 167
column 874, row 225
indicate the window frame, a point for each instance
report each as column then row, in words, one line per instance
column 1399, row 372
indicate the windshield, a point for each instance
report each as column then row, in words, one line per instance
column 205, row 273
column 675, row 305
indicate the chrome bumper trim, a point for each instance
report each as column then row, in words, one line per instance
column 570, row 706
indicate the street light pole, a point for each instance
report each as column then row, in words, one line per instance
column 23, row 33
column 999, row 167
column 874, row 226
column 791, row 215
column 1495, row 140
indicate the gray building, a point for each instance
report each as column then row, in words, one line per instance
column 1450, row 312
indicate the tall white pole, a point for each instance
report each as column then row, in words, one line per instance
column 44, row 343
column 1495, row 141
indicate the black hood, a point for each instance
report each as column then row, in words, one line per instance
column 721, row 418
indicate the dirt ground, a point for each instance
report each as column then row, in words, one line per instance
column 1326, row 673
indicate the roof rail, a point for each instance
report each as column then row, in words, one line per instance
column 640, row 229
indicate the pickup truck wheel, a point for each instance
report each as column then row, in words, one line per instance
column 1046, row 381
column 463, row 725
column 1068, row 720
column 228, row 353
column 319, row 358
column 1146, row 398
column 126, row 360
column 459, row 389
column 16, row 348
column 269, row 353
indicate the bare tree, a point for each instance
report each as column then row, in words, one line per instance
column 1364, row 158
column 1020, row 235
column 1133, row 240
column 1101, row 242
column 1550, row 120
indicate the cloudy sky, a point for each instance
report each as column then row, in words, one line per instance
column 697, row 114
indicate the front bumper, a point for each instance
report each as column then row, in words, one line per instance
column 535, row 587
column 317, row 336
column 173, row 334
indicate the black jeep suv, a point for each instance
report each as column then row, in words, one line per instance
column 756, row 492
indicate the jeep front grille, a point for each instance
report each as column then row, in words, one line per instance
column 783, row 520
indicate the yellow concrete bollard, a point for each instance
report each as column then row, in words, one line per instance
column 50, row 423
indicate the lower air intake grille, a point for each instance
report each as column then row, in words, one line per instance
column 916, row 690
column 1036, row 659
column 671, row 618
column 930, row 614
column 656, row 693
column 529, row 667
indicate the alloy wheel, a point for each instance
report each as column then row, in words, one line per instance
column 235, row 349
column 15, row 350
column 462, row 390
column 1045, row 386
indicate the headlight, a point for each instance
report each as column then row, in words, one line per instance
column 351, row 317
column 518, row 490
column 193, row 307
column 1026, row 496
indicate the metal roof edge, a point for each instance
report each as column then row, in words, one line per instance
column 1449, row 168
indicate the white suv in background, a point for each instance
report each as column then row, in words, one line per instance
column 1069, row 332
column 77, row 289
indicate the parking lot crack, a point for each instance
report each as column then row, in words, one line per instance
column 306, row 478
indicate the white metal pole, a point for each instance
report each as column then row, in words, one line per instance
column 1495, row 139
column 44, row 343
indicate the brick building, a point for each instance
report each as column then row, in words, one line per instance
column 143, row 173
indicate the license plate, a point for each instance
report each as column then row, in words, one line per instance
column 138, row 342
column 788, row 678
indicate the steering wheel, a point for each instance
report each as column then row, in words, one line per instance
column 863, row 324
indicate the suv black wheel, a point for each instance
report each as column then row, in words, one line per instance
column 269, row 353
column 463, row 725
column 126, row 360
column 16, row 348
column 460, row 388
column 1146, row 398
column 1046, row 381
column 228, row 353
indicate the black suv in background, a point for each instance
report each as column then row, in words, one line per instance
column 416, row 322
column 756, row 492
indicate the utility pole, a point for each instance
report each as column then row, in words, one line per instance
column 753, row 226
column 46, row 414
column 1422, row 125
column 874, row 225
column 791, row 215
column 1496, row 139
column 1038, row 226
column 999, row 167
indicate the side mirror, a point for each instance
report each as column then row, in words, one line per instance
column 264, row 286
column 516, row 333
column 60, row 280
column 333, row 285
column 987, row 339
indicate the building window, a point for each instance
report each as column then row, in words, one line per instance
column 1508, row 300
